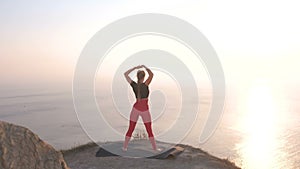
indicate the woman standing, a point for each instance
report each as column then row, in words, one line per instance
column 140, row 107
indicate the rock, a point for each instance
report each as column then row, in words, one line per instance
column 20, row 148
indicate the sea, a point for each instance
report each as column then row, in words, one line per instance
column 259, row 127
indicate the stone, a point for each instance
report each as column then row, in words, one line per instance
column 20, row 148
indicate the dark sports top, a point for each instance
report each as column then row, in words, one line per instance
column 144, row 90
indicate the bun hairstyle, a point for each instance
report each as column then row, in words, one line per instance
column 140, row 74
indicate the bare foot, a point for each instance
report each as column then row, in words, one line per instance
column 158, row 150
column 124, row 149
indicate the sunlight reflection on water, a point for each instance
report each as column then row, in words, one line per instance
column 262, row 122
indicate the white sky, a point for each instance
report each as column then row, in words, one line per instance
column 41, row 40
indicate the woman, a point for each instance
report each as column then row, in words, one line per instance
column 140, row 108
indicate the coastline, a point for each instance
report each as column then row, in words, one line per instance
column 83, row 157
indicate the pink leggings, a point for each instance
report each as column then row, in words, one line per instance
column 134, row 115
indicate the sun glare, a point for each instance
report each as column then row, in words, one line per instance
column 260, row 126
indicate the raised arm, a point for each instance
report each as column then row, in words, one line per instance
column 126, row 74
column 148, row 81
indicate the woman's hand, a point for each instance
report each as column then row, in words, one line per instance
column 139, row 66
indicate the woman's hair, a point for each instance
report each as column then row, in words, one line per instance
column 140, row 74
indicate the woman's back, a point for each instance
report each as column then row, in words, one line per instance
column 141, row 90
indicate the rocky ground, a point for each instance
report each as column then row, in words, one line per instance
column 20, row 148
column 83, row 157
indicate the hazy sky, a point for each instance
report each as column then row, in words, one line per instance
column 41, row 40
